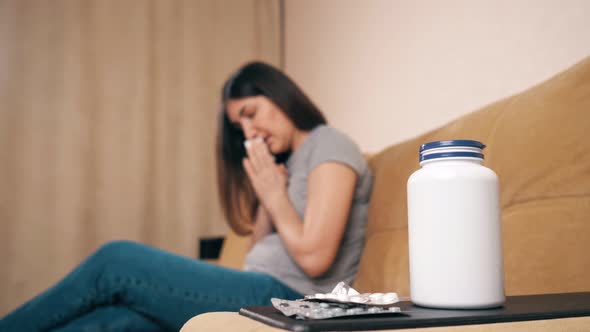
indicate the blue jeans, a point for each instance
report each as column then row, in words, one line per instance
column 126, row 286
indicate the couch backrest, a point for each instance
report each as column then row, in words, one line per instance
column 537, row 142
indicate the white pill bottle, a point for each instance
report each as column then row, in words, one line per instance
column 454, row 229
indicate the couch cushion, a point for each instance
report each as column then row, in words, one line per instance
column 381, row 273
column 537, row 144
column 546, row 246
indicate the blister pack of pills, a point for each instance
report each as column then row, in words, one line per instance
column 343, row 293
column 304, row 309
column 342, row 301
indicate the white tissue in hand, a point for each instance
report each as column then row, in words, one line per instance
column 249, row 142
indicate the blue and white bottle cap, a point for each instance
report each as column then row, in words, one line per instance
column 452, row 143
column 460, row 148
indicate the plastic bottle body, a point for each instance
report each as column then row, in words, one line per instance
column 455, row 235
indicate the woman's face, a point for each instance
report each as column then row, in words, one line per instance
column 259, row 117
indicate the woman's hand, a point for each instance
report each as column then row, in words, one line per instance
column 268, row 179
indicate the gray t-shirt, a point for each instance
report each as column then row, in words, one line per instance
column 269, row 255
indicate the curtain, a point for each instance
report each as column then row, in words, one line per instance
column 108, row 116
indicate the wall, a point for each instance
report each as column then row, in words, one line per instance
column 385, row 70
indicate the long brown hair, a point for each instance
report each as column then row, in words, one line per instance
column 238, row 200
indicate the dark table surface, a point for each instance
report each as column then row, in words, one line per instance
column 516, row 308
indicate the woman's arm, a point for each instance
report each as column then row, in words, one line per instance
column 262, row 225
column 314, row 243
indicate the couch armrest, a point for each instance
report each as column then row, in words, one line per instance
column 231, row 321
column 233, row 251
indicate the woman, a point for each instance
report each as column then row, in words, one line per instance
column 300, row 187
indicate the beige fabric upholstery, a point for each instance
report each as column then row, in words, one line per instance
column 234, row 250
column 537, row 144
column 230, row 321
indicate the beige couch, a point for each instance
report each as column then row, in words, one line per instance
column 538, row 144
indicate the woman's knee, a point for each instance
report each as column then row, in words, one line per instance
column 113, row 251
